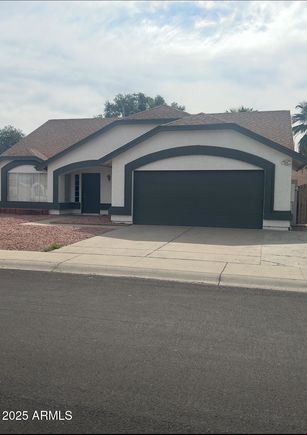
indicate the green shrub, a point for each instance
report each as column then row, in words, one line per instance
column 53, row 246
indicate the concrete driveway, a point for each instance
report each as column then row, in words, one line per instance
column 224, row 257
column 253, row 247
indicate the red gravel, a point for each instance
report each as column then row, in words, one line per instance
column 15, row 235
column 76, row 220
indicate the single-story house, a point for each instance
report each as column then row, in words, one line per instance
column 160, row 166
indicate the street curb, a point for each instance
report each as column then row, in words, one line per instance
column 214, row 279
column 43, row 266
column 134, row 272
column 259, row 282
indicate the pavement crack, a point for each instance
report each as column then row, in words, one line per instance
column 169, row 241
column 64, row 261
column 220, row 276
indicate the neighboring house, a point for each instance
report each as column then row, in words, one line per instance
column 160, row 166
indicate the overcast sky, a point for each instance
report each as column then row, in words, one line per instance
column 64, row 59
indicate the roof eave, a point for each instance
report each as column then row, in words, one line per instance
column 298, row 165
column 20, row 157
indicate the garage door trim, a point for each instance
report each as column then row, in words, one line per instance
column 267, row 166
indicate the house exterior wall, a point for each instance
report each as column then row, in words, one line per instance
column 197, row 163
column 223, row 138
column 24, row 169
column 97, row 148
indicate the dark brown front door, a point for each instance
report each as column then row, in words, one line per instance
column 90, row 193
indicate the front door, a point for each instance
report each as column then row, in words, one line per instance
column 90, row 193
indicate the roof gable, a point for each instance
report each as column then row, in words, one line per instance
column 55, row 136
column 58, row 135
column 274, row 125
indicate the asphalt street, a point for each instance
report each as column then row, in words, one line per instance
column 138, row 356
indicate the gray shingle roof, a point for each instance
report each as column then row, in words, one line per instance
column 58, row 135
column 274, row 125
column 159, row 112
column 55, row 136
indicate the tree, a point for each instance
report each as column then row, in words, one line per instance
column 241, row 109
column 300, row 119
column 127, row 104
column 9, row 135
column 177, row 106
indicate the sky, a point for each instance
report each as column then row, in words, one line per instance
column 65, row 59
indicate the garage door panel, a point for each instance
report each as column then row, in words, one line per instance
column 199, row 198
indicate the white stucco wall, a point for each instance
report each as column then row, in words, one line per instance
column 25, row 169
column 97, row 148
column 197, row 163
column 275, row 225
column 222, row 138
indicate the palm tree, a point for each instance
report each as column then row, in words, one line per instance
column 241, row 109
column 300, row 119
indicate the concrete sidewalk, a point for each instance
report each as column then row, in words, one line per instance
column 224, row 257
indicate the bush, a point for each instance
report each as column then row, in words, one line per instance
column 53, row 246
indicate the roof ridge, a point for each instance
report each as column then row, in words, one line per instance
column 252, row 112
column 81, row 119
column 214, row 117
column 156, row 109
column 197, row 116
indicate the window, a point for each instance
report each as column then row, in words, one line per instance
column 27, row 187
column 77, row 188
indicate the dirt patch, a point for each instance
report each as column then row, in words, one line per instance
column 16, row 236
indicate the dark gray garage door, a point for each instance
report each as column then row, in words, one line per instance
column 231, row 199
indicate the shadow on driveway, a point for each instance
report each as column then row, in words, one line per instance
column 209, row 236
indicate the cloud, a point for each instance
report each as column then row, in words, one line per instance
column 64, row 59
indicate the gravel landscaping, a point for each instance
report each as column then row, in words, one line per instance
column 79, row 220
column 15, row 235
